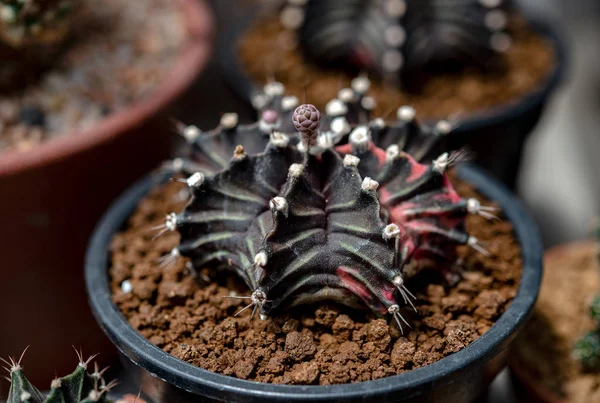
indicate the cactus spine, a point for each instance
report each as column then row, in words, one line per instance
column 78, row 387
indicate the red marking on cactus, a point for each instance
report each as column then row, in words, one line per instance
column 388, row 291
column 346, row 276
column 344, row 149
column 416, row 170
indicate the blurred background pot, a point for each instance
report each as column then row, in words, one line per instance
column 461, row 377
column 52, row 196
column 496, row 136
column 545, row 345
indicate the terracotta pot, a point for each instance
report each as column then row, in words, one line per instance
column 52, row 196
column 527, row 387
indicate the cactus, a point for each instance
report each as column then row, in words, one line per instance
column 33, row 20
column 398, row 37
column 302, row 219
column 78, row 387
column 32, row 32
column 587, row 349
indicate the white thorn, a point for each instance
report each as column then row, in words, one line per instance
column 279, row 139
column 280, row 204
column 126, row 286
column 196, row 180
column 398, row 281
column 392, row 152
column 274, row 89
column 368, row 103
column 406, row 113
column 191, row 133
column 258, row 297
column 262, row 316
column 359, row 139
column 395, row 8
column 56, row 383
column 378, row 123
column 25, row 396
column 336, row 107
column 290, row 102
column 496, row 20
column 351, row 161
column 296, row 170
column 177, row 164
column 260, row 259
column 292, row 17
column 443, row 127
column 500, row 42
column 340, row 126
column 360, row 85
column 259, row 101
column 441, row 163
column 230, row 120
column 391, row 231
column 473, row 206
column 394, row 35
column 369, row 184
column 266, row 127
column 392, row 61
column 346, row 95
column 474, row 243
column 171, row 222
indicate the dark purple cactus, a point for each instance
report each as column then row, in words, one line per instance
column 398, row 37
column 302, row 222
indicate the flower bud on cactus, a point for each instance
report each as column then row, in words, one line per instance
column 302, row 222
column 395, row 37
column 78, row 387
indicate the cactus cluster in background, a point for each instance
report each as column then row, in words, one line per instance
column 397, row 38
column 32, row 33
column 78, row 387
column 34, row 20
column 587, row 349
column 306, row 208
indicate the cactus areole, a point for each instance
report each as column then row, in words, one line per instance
column 302, row 220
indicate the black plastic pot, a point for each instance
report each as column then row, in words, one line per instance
column 461, row 377
column 495, row 136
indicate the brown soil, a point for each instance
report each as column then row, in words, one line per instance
column 118, row 53
column 312, row 345
column 528, row 63
column 571, row 279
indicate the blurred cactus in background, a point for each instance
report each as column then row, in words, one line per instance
column 31, row 34
column 587, row 349
column 399, row 38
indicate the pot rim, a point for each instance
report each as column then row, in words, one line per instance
column 190, row 61
column 200, row 381
column 549, row 28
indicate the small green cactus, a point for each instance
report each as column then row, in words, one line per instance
column 587, row 349
column 78, row 387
